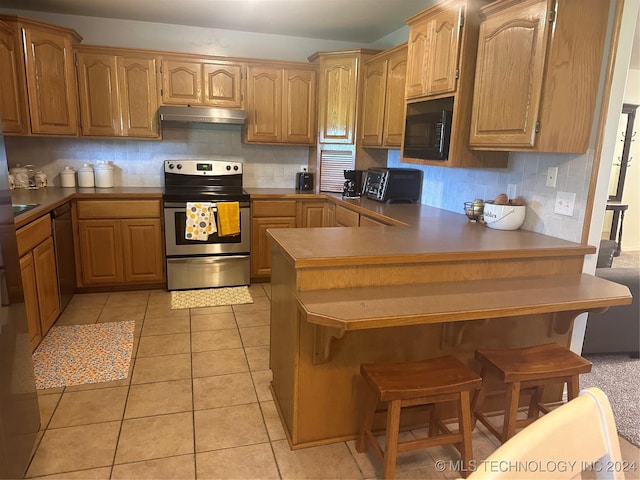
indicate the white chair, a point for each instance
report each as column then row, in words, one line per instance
column 578, row 436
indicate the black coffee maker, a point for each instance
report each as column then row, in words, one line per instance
column 353, row 183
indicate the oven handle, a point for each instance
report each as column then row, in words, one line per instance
column 207, row 260
column 183, row 205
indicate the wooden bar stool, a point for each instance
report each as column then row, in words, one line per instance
column 409, row 384
column 526, row 368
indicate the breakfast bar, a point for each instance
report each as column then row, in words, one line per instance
column 346, row 296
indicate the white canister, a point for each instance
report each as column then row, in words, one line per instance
column 85, row 176
column 68, row 177
column 104, row 175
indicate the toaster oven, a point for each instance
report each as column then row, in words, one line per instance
column 393, row 185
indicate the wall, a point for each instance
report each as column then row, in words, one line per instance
column 139, row 162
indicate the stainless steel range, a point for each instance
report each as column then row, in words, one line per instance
column 219, row 261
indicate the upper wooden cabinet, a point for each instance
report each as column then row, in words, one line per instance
column 189, row 80
column 118, row 92
column 50, row 77
column 537, row 75
column 434, row 49
column 13, row 98
column 281, row 104
column 442, row 47
column 338, row 88
column 383, row 98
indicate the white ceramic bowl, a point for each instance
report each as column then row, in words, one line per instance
column 504, row 217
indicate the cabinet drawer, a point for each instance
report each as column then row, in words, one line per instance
column 33, row 234
column 347, row 218
column 118, row 209
column 274, row 208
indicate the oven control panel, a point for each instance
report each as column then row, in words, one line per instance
column 202, row 167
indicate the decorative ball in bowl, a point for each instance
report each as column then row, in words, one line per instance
column 504, row 217
column 473, row 210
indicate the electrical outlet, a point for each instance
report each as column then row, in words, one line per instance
column 552, row 176
column 564, row 203
column 512, row 190
column 303, row 168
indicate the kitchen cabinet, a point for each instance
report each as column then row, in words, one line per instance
column 346, row 217
column 39, row 277
column 338, row 87
column 281, row 104
column 51, row 87
column 366, row 221
column 120, row 242
column 442, row 47
column 383, row 98
column 118, row 92
column 13, row 97
column 537, row 75
column 267, row 214
column 193, row 80
column 434, row 49
column 311, row 214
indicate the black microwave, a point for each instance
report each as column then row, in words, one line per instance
column 427, row 132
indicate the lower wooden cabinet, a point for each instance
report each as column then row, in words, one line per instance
column 39, row 277
column 114, row 250
column 266, row 214
column 346, row 217
column 312, row 214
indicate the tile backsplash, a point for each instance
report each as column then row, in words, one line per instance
column 138, row 163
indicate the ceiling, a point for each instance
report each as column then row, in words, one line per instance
column 362, row 21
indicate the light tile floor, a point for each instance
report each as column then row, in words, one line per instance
column 197, row 405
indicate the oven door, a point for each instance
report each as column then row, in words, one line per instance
column 175, row 218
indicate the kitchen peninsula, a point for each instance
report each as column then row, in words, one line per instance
column 443, row 285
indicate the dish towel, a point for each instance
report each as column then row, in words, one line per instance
column 199, row 221
column 228, row 219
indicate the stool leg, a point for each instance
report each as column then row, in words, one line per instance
column 478, row 396
column 465, row 427
column 511, row 411
column 536, row 399
column 573, row 387
column 368, row 414
column 434, row 429
column 391, row 438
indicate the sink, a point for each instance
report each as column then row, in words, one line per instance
column 19, row 208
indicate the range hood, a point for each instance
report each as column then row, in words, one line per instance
column 189, row 114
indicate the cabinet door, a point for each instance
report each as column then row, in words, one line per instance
column 138, row 96
column 330, row 215
column 370, row 222
column 443, row 53
column 338, row 89
column 312, row 214
column 98, row 87
column 509, row 74
column 30, row 291
column 222, row 85
column 261, row 243
column 373, row 98
column 181, row 82
column 418, row 46
column 346, row 217
column 13, row 97
column 142, row 250
column 51, row 83
column 100, row 252
column 44, row 259
column 299, row 107
column 264, row 104
column 394, row 110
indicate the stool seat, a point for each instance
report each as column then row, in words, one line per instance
column 419, row 378
column 534, row 363
column 415, row 383
column 527, row 368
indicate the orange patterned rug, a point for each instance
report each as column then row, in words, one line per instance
column 77, row 354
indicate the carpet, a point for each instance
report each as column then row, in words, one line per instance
column 210, row 297
column 619, row 377
column 78, row 354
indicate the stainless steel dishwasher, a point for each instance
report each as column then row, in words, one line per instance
column 65, row 257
